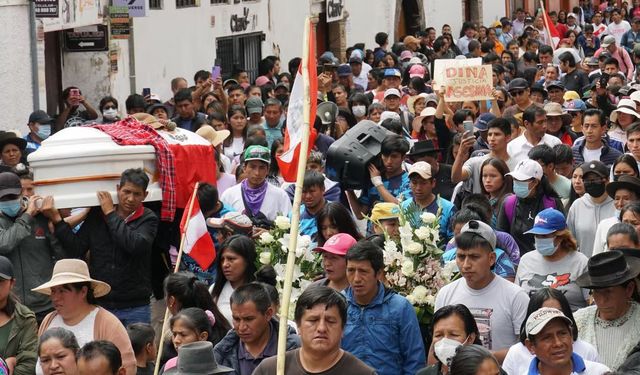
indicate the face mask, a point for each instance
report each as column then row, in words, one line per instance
column 359, row 110
column 445, row 349
column 282, row 98
column 545, row 246
column 44, row 131
column 11, row 208
column 498, row 32
column 594, row 189
column 521, row 189
column 110, row 113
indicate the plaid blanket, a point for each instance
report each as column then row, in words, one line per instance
column 131, row 132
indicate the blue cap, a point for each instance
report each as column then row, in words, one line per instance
column 575, row 105
column 548, row 221
column 482, row 123
column 392, row 72
column 344, row 70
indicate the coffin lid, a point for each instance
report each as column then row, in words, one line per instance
column 79, row 142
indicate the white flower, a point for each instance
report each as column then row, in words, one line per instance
column 265, row 257
column 419, row 293
column 280, row 270
column 448, row 270
column 266, row 238
column 435, row 233
column 407, row 267
column 428, row 217
column 390, row 246
column 430, row 300
column 423, row 233
column 304, row 242
column 282, row 222
column 414, row 248
column 411, row 299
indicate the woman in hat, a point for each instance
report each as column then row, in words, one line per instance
column 57, row 352
column 621, row 118
column 519, row 357
column 624, row 190
column 11, row 149
column 73, row 294
column 18, row 327
column 556, row 261
column 612, row 324
column 223, row 163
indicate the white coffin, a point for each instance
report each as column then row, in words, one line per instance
column 75, row 163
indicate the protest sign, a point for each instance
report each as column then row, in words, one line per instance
column 439, row 65
column 468, row 83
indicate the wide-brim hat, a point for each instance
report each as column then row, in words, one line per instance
column 608, row 269
column 148, row 119
column 215, row 137
column 71, row 271
column 412, row 100
column 627, row 106
column 630, row 183
column 427, row 112
column 11, row 138
column 422, row 148
column 197, row 358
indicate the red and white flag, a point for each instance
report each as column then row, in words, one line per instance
column 552, row 34
column 197, row 241
column 288, row 161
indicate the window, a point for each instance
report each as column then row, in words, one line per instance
column 155, row 4
column 186, row 3
column 243, row 51
column 219, row 1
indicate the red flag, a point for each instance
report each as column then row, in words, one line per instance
column 288, row 161
column 197, row 241
column 552, row 34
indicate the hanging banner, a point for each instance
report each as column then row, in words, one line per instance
column 468, row 83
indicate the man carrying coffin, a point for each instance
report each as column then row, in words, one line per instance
column 120, row 239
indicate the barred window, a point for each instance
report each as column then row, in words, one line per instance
column 186, row 3
column 155, row 4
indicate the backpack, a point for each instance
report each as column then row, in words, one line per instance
column 510, row 205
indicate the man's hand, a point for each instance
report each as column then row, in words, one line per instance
column 33, row 205
column 373, row 171
column 467, row 143
column 324, row 82
column 106, row 202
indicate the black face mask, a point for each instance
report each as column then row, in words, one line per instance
column 594, row 189
column 282, row 98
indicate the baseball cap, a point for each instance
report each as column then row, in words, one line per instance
column 518, row 84
column 40, row 116
column 337, row 244
column 548, row 221
column 406, row 55
column 572, row 15
column 355, row 60
column 481, row 229
column 385, row 211
column 388, row 115
column 556, row 84
column 608, row 40
column 262, row 80
column 6, row 268
column 344, row 70
column 392, row 72
column 9, row 184
column 541, row 317
column 482, row 123
column 417, row 71
column 575, row 105
column 254, row 105
column 526, row 170
column 390, row 92
column 255, row 152
column 595, row 166
column 422, row 168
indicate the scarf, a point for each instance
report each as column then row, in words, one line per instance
column 253, row 198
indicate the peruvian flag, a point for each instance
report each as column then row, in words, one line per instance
column 197, row 241
column 552, row 34
column 288, row 161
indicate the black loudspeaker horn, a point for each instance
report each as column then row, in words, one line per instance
column 347, row 158
column 327, row 111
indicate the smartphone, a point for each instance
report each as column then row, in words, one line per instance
column 329, row 68
column 146, row 92
column 468, row 126
column 216, row 71
column 74, row 93
column 539, row 66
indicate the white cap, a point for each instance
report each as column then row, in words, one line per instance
column 635, row 96
column 422, row 168
column 388, row 114
column 526, row 170
column 390, row 92
column 541, row 317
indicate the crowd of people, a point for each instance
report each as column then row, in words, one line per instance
column 536, row 191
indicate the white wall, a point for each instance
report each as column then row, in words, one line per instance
column 439, row 12
column 366, row 20
column 15, row 69
column 89, row 71
column 492, row 10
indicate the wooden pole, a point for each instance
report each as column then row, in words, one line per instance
column 295, row 211
column 546, row 24
column 175, row 269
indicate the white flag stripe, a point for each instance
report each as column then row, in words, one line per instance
column 295, row 119
column 196, row 229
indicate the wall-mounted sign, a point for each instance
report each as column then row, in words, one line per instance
column 47, row 8
column 137, row 8
column 85, row 39
column 335, row 10
column 119, row 17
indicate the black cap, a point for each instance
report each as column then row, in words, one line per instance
column 40, row 116
column 556, row 84
column 518, row 84
column 6, row 268
column 10, row 184
column 595, row 166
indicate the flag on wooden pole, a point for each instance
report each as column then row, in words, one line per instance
column 552, row 34
column 197, row 241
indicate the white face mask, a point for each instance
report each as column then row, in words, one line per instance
column 110, row 113
column 445, row 349
column 359, row 110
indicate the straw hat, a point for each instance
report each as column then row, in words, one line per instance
column 71, row 271
column 212, row 135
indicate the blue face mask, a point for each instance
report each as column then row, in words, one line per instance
column 11, row 208
column 44, row 131
column 545, row 246
column 521, row 189
column 498, row 31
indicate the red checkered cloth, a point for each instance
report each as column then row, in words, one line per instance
column 131, row 132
